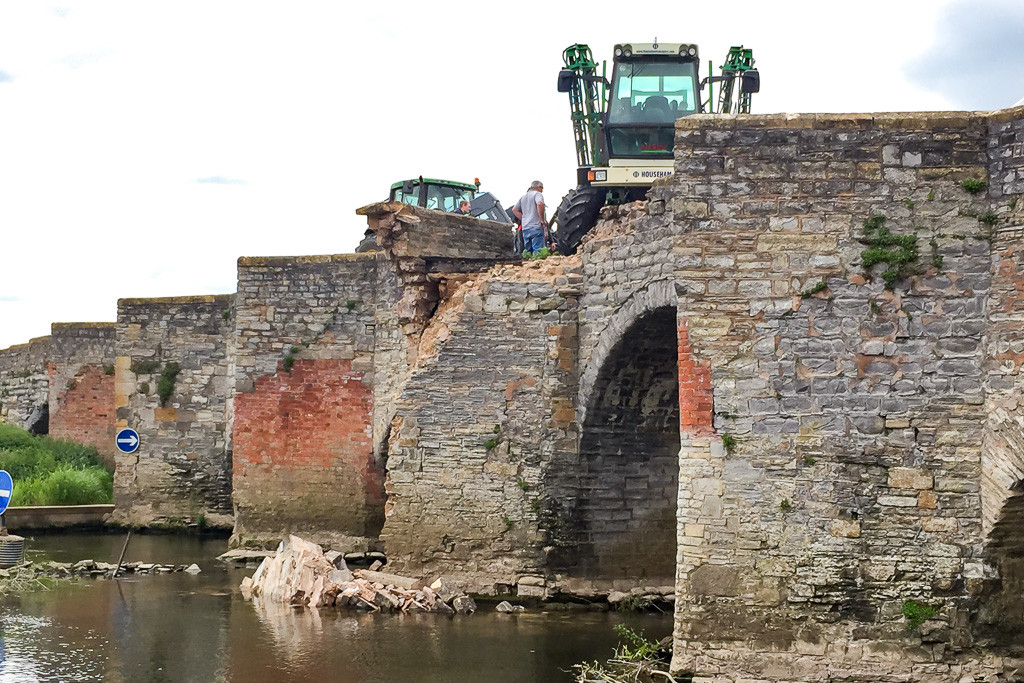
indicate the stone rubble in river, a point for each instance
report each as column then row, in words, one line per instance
column 300, row 573
column 96, row 568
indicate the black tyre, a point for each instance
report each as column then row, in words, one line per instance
column 576, row 215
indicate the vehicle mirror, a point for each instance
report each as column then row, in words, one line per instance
column 407, row 187
column 566, row 78
column 750, row 82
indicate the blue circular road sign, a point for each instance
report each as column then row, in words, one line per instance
column 127, row 440
column 6, row 490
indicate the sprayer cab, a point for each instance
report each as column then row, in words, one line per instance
column 624, row 121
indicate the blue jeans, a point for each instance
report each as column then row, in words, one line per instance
column 533, row 239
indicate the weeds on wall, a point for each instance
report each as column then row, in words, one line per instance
column 899, row 252
column 936, row 256
column 820, row 286
column 917, row 613
column 729, row 441
column 165, row 385
column 108, row 370
column 989, row 218
column 973, row 186
column 289, row 360
column 145, row 367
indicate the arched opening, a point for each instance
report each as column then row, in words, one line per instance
column 1002, row 614
column 625, row 514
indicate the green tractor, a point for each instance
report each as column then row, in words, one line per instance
column 441, row 195
column 625, row 129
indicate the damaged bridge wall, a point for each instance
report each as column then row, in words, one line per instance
column 484, row 420
column 81, row 385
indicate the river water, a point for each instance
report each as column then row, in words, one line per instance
column 179, row 627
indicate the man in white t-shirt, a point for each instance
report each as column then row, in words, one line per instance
column 530, row 212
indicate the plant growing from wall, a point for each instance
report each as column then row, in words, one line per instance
column 144, row 388
column 108, row 370
column 145, row 367
column 917, row 613
column 351, row 305
column 820, row 286
column 729, row 441
column 899, row 252
column 785, row 505
column 936, row 256
column 989, row 218
column 490, row 443
column 973, row 185
column 165, row 385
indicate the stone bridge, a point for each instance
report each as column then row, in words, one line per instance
column 719, row 397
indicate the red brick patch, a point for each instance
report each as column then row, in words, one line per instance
column 695, row 398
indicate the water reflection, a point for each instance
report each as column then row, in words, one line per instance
column 178, row 627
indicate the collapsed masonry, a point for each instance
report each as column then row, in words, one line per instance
column 715, row 394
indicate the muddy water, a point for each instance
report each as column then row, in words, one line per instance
column 177, row 627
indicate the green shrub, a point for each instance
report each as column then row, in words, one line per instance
column 51, row 472
column 14, row 437
column 67, row 486
column 26, row 492
column 27, row 462
column 165, row 386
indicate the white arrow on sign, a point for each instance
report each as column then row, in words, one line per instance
column 130, row 440
column 5, row 493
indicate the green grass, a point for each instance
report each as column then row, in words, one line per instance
column 51, row 472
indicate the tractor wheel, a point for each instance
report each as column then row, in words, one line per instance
column 576, row 215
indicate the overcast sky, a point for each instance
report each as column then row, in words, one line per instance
column 145, row 146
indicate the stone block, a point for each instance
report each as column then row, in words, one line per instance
column 844, row 528
column 909, row 478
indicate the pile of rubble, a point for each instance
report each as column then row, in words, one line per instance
column 300, row 573
column 94, row 568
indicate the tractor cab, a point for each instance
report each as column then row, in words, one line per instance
column 652, row 85
column 441, row 195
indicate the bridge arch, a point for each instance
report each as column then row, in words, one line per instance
column 1002, row 499
column 624, row 521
